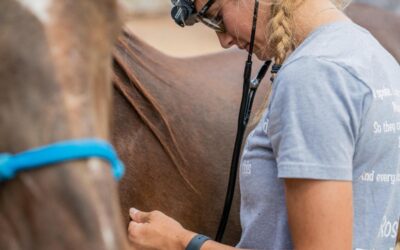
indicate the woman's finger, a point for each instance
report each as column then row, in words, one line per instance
column 139, row 216
column 135, row 230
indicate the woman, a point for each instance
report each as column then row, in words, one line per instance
column 321, row 168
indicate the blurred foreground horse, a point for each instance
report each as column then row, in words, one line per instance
column 174, row 124
column 55, row 85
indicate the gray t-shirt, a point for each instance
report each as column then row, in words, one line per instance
column 334, row 114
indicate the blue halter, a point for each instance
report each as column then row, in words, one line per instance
column 59, row 152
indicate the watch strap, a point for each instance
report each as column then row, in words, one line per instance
column 196, row 242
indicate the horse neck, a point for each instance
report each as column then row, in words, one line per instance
column 143, row 77
column 55, row 86
column 171, row 97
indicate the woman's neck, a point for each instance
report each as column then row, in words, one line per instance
column 312, row 14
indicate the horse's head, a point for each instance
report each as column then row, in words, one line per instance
column 55, row 85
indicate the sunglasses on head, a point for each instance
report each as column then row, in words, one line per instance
column 184, row 14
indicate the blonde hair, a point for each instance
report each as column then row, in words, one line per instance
column 281, row 40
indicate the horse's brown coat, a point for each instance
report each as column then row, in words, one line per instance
column 170, row 131
column 174, row 125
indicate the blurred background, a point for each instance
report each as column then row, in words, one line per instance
column 150, row 20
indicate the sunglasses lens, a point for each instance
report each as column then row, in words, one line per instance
column 214, row 24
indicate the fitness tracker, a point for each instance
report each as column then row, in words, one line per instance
column 196, row 242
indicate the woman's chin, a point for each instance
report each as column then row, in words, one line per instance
column 262, row 56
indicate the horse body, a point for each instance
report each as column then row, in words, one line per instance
column 174, row 125
column 55, row 86
column 170, row 137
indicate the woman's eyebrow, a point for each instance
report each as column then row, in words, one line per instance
column 213, row 10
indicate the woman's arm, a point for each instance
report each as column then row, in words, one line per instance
column 320, row 213
column 320, row 217
column 155, row 230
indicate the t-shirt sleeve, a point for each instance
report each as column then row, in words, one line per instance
column 314, row 119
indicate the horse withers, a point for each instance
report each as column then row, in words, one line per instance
column 55, row 85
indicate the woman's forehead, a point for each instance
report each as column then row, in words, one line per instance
column 217, row 4
column 200, row 3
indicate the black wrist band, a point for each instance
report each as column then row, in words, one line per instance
column 196, row 242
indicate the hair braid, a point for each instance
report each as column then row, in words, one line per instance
column 281, row 40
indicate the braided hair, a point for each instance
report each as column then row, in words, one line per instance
column 281, row 39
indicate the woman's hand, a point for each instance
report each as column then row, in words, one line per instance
column 155, row 230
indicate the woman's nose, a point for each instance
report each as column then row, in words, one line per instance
column 225, row 40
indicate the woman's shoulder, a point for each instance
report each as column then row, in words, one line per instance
column 335, row 40
column 346, row 48
column 316, row 74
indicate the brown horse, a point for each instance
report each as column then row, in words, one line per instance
column 55, row 85
column 175, row 120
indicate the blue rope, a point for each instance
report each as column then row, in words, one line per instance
column 59, row 152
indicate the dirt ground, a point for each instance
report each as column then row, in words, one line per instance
column 162, row 33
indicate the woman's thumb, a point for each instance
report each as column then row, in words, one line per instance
column 138, row 216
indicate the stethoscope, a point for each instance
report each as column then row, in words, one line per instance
column 182, row 13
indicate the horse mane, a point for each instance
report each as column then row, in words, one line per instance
column 134, row 60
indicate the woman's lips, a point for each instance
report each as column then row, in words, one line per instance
column 244, row 46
